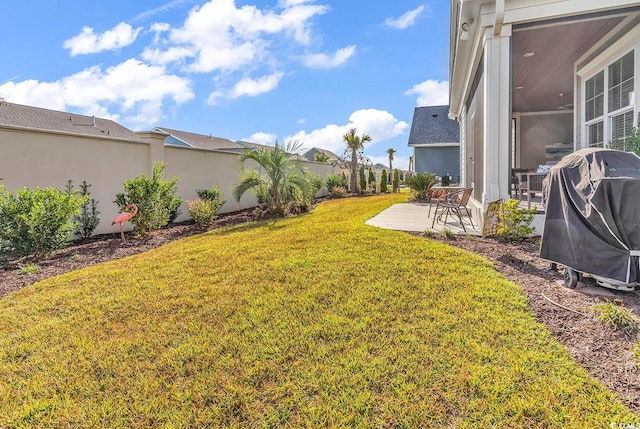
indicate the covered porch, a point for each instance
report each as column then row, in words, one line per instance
column 532, row 84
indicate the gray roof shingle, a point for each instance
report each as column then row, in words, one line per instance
column 431, row 124
column 52, row 120
column 201, row 141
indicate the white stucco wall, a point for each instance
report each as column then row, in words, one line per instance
column 32, row 159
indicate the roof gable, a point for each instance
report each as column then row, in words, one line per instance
column 431, row 125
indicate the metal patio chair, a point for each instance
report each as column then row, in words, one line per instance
column 453, row 203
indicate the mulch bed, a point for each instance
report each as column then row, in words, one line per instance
column 603, row 351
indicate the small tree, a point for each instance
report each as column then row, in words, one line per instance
column 154, row 197
column 396, row 180
column 355, row 147
column 363, row 180
column 383, row 182
column 89, row 218
column 281, row 184
column 372, row 180
column 391, row 152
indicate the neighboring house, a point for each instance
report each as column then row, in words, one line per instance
column 198, row 141
column 435, row 140
column 36, row 118
column 531, row 80
column 310, row 154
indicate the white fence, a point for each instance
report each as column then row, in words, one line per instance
column 36, row 158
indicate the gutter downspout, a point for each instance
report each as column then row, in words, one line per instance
column 497, row 27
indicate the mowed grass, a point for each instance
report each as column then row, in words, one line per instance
column 314, row 321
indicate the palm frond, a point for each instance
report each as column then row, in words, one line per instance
column 250, row 180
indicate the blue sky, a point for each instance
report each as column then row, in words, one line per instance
column 260, row 71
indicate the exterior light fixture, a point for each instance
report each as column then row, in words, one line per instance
column 465, row 27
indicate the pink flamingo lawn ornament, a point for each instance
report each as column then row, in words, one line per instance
column 125, row 216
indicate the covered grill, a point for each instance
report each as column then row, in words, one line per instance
column 592, row 217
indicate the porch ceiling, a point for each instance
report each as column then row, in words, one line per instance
column 549, row 71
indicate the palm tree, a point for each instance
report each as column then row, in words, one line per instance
column 391, row 151
column 355, row 143
column 282, row 180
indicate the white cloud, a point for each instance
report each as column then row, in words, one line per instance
column 87, row 42
column 248, row 87
column 218, row 36
column 379, row 124
column 253, row 87
column 262, row 138
column 324, row 61
column 134, row 90
column 431, row 93
column 406, row 20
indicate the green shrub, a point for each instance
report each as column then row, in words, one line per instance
column 202, row 211
column 214, row 195
column 334, row 180
column 37, row 221
column 89, row 218
column 338, row 192
column 616, row 316
column 384, row 186
column 157, row 205
column 396, row 180
column 513, row 222
column 421, row 184
column 303, row 197
column 447, row 233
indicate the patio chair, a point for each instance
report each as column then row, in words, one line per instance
column 453, row 203
column 531, row 186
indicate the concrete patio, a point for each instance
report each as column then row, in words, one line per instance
column 414, row 217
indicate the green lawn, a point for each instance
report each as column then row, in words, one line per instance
column 314, row 321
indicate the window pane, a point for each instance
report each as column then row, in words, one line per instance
column 596, row 134
column 620, row 130
column 594, row 102
column 621, row 82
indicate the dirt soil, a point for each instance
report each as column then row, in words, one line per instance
column 567, row 313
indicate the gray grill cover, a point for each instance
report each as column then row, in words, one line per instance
column 592, row 222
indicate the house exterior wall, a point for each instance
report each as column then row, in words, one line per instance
column 489, row 41
column 438, row 160
column 30, row 158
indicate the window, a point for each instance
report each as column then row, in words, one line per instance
column 609, row 104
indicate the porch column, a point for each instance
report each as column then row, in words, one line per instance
column 497, row 108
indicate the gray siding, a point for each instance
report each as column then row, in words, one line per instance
column 438, row 160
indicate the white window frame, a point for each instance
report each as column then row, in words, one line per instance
column 629, row 42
